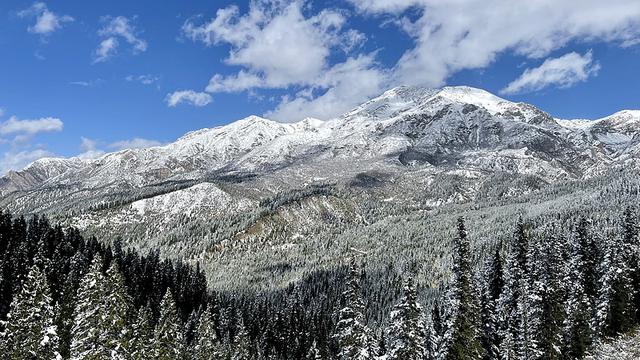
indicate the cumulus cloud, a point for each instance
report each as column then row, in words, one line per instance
column 280, row 44
column 451, row 36
column 30, row 127
column 278, row 47
column 563, row 71
column 276, row 44
column 188, row 97
column 348, row 84
column 17, row 160
column 116, row 28
column 46, row 21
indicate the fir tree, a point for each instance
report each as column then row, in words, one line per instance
column 513, row 307
column 578, row 306
column 407, row 330
column 352, row 335
column 87, row 330
column 30, row 332
column 463, row 333
column 142, row 335
column 116, row 333
column 207, row 346
column 242, row 342
column 168, row 343
column 494, row 285
column 313, row 353
column 551, row 294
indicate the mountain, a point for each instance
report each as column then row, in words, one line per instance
column 407, row 151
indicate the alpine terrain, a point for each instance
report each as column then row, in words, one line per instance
column 423, row 224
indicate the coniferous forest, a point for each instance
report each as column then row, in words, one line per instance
column 553, row 291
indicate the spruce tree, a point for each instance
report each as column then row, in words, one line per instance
column 577, row 327
column 494, row 285
column 551, row 295
column 313, row 353
column 463, row 334
column 352, row 335
column 86, row 333
column 30, row 332
column 407, row 330
column 116, row 332
column 168, row 343
column 242, row 342
column 142, row 335
column 207, row 346
column 513, row 306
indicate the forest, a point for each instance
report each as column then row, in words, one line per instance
column 553, row 290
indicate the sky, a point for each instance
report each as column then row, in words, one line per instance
column 81, row 78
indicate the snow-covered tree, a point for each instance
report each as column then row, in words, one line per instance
column 352, row 334
column 242, row 342
column 30, row 332
column 462, row 333
column 513, row 306
column 142, row 335
column 116, row 332
column 493, row 287
column 207, row 346
column 407, row 330
column 86, row 333
column 168, row 343
column 314, row 352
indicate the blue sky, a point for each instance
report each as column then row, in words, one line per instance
column 86, row 77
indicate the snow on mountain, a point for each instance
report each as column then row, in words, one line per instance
column 403, row 130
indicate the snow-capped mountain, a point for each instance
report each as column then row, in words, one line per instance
column 407, row 132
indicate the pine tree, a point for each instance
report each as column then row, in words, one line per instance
column 168, row 343
column 116, row 333
column 313, row 353
column 242, row 342
column 206, row 343
column 463, row 332
column 577, row 332
column 632, row 257
column 142, row 335
column 352, row 334
column 615, row 303
column 407, row 330
column 86, row 343
column 551, row 295
column 494, row 285
column 513, row 307
column 435, row 332
column 31, row 332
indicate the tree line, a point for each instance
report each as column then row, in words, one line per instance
column 547, row 293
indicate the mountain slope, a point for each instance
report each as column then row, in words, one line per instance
column 219, row 195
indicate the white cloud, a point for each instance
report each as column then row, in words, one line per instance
column 274, row 43
column 116, row 28
column 30, row 127
column 17, row 160
column 89, row 148
column 451, row 36
column 46, row 21
column 349, row 84
column 278, row 47
column 189, row 97
column 1, row 111
column 563, row 71
column 135, row 143
column 146, row 79
column 106, row 49
column 92, row 149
